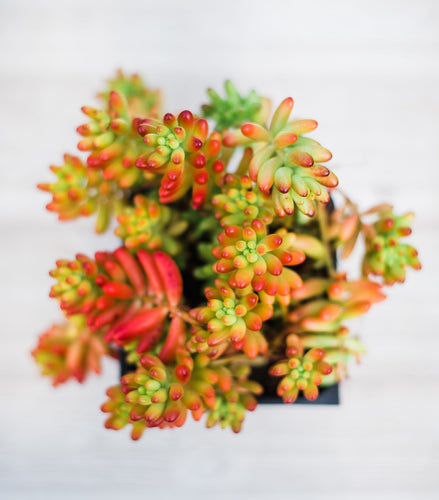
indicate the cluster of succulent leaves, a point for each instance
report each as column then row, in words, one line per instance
column 228, row 258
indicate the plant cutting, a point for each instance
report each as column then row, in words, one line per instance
column 231, row 225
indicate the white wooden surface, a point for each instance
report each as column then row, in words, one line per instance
column 369, row 73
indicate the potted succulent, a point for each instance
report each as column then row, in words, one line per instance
column 225, row 283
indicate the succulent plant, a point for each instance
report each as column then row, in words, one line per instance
column 240, row 202
column 70, row 350
column 232, row 316
column 235, row 109
column 285, row 162
column 230, row 259
column 180, row 149
column 386, row 256
column 141, row 100
column 80, row 191
column 252, row 257
column 149, row 225
column 120, row 411
column 300, row 372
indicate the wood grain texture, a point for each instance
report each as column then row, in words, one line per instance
column 369, row 73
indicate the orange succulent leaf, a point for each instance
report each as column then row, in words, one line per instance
column 171, row 277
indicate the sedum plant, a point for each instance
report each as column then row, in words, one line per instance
column 232, row 226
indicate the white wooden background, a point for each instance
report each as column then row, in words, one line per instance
column 369, row 73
